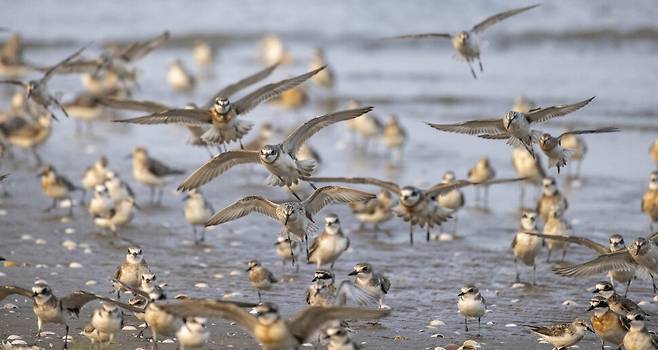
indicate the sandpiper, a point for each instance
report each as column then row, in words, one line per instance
column 197, row 212
column 27, row 133
column 203, row 54
column 482, row 172
column 323, row 290
column 329, row 245
column 193, row 333
column 562, row 335
column 551, row 199
column 274, row 52
column 558, row 154
column 57, row 187
column 101, row 202
column 525, row 246
column 650, row 200
column 179, row 78
column 394, row 136
column 107, row 319
column 95, row 174
column 151, row 172
column 120, row 215
column 608, row 326
column 453, row 200
column 471, row 304
column 325, row 78
column 130, row 271
column 556, row 225
column 260, row 277
column 374, row 211
column 368, row 288
column 638, row 337
column 528, row 167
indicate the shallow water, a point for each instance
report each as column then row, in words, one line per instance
column 559, row 53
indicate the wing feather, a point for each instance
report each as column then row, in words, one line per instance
column 599, row 248
column 178, row 116
column 390, row 186
column 6, row 291
column 482, row 26
column 244, row 207
column 616, row 261
column 306, row 322
column 230, row 90
column 421, row 36
column 140, row 49
column 447, row 187
column 603, row 130
column 217, row 166
column 540, row 115
column 474, row 127
column 324, row 196
column 212, row 308
column 134, row 105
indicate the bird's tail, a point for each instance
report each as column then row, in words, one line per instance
column 306, row 167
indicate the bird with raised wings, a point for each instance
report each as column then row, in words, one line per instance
column 558, row 155
column 465, row 42
column 515, row 127
column 280, row 159
column 222, row 115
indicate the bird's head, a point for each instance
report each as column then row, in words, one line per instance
column 616, row 242
column 252, row 264
column 653, row 180
column 510, row 117
column 222, row 105
column 468, row 289
column 134, row 255
column 410, row 195
column 361, row 270
column 332, row 223
column 41, row 291
column 323, row 275
column 598, row 302
column 604, row 289
column 529, row 220
column 448, row 177
column 266, row 313
column 269, row 153
column 639, row 246
column 549, row 185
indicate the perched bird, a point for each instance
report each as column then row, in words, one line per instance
column 482, row 172
column 221, row 117
column 653, row 150
column 266, row 325
column 338, row 339
column 562, row 335
column 650, row 200
column 37, row 90
column 179, row 78
column 95, row 336
column 329, row 245
column 95, row 174
column 556, row 153
column 641, row 257
column 48, row 308
column 528, row 167
column 151, row 172
column 471, row 304
column 514, row 126
column 117, row 188
column 525, row 245
column 368, row 288
column 286, row 248
column 466, row 42
column 617, row 303
column 296, row 217
column 260, row 277
column 121, row 214
column 279, row 160
column 57, row 187
column 374, row 211
column 550, row 199
column 27, row 133
column 608, row 326
column 107, row 319
column 323, row 290
column 197, row 212
column 325, row 78
column 129, row 273
column 453, row 200
column 273, row 51
column 394, row 136
column 556, row 225
column 203, row 54
column 638, row 337
column 101, row 202
column 193, row 333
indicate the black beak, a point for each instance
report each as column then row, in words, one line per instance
column 590, row 329
column 34, row 294
column 136, row 206
column 595, row 291
column 249, row 269
column 460, row 294
column 277, row 243
column 353, row 273
column 314, row 279
column 591, row 307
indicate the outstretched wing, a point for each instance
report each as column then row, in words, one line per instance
column 348, row 292
column 140, row 49
column 603, row 130
column 540, row 115
column 13, row 82
column 616, row 261
column 212, row 308
column 133, row 105
column 482, row 26
column 269, row 91
column 76, row 300
column 447, row 187
column 229, row 90
column 333, row 194
column 599, row 248
column 474, row 127
column 306, row 322
column 244, row 207
column 49, row 72
column 217, row 166
column 387, row 185
column 421, row 36
column 297, row 138
column 179, row 116
column 6, row 291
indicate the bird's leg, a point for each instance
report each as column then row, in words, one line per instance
column 466, row 323
column 411, row 233
column 38, row 336
column 516, row 265
column 478, row 326
column 312, row 185
column 477, row 196
column 653, row 283
column 36, row 156
column 259, row 296
column 292, row 251
column 548, row 257
column 602, row 344
column 194, row 234
column 486, row 197
column 66, row 337
column 293, row 193
column 241, row 146
column 456, row 222
column 628, row 285
column 70, row 207
column 534, row 274
column 160, row 197
column 203, row 235
column 428, row 233
column 470, row 66
column 154, row 335
column 306, row 241
column 151, row 195
column 564, row 253
column 580, row 162
column 522, row 195
column 330, row 267
column 480, row 63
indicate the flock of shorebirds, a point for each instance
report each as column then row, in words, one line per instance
column 219, row 127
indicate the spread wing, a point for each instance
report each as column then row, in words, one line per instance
column 133, row 105
column 474, row 127
column 269, row 91
column 348, row 291
column 140, row 49
column 229, row 90
column 445, row 188
column 421, row 36
column 243, row 207
column 217, row 166
column 13, row 82
column 49, row 72
column 540, row 115
column 482, row 26
column 590, row 131
column 6, row 291
column 387, row 185
column 616, row 261
column 179, row 116
column 297, row 138
column 599, row 248
column 306, row 322
column 212, row 308
column 160, row 169
column 323, row 196
column 76, row 300
column 133, row 290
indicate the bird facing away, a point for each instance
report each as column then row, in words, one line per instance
column 465, row 42
column 515, row 127
column 280, row 160
column 556, row 153
column 528, row 167
column 268, row 327
column 222, row 116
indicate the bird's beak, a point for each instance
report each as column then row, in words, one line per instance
column 34, row 294
column 286, row 221
column 460, row 294
column 595, row 291
column 353, row 273
column 249, row 269
column 591, row 307
column 590, row 329
column 314, row 279
column 277, row 243
column 185, row 197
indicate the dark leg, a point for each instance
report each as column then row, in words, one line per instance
column 51, row 207
column 472, row 71
column 293, row 193
column 259, row 296
column 292, row 251
column 548, row 257
column 313, row 186
column 653, row 283
column 194, row 234
column 155, row 339
column 478, row 326
column 428, row 233
column 306, row 241
column 66, row 338
column 486, row 197
column 241, row 146
column 71, row 207
column 628, row 285
column 151, row 194
column 37, row 158
column 534, row 274
column 480, row 63
column 411, row 233
column 564, row 253
column 465, row 323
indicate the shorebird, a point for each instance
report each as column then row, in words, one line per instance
column 617, row 303
column 286, row 249
column 326, row 77
column 37, row 90
column 577, row 147
column 471, row 304
column 394, row 136
column 550, row 199
column 323, row 290
column 653, row 150
column 329, row 245
column 260, row 277
column 280, row 159
column 197, row 212
column 522, row 104
column 453, row 200
column 12, row 64
column 57, row 187
column 266, row 325
column 151, row 172
column 515, row 127
column 50, row 309
column 119, row 215
column 339, row 339
column 528, row 167
column 86, row 108
column 129, row 273
column 556, row 225
column 296, row 217
column 193, row 333
column 374, row 211
column 203, row 54
column 95, row 336
column 95, row 174
column 526, row 245
column 368, row 288
column 562, row 335
column 641, row 257
column 116, row 188
column 221, row 117
column 179, row 78
column 482, row 172
column 107, row 319
column 608, row 326
column 465, row 42
column 638, row 337
column 558, row 154
column 27, row 133
column 274, row 52
column 650, row 200
column 101, row 202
